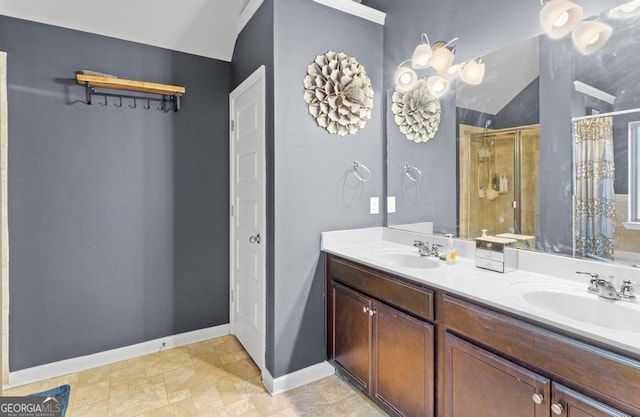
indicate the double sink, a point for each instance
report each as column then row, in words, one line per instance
column 564, row 299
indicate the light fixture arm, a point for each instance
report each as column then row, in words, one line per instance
column 425, row 38
column 452, row 45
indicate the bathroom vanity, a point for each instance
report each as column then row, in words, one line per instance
column 450, row 340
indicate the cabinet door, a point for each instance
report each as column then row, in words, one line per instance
column 569, row 403
column 480, row 384
column 351, row 334
column 403, row 362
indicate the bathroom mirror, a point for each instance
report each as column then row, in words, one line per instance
column 515, row 150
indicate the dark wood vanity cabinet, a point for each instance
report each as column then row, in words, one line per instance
column 480, row 384
column 402, row 361
column 384, row 351
column 569, row 403
column 388, row 335
column 352, row 335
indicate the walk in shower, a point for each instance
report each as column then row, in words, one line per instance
column 499, row 181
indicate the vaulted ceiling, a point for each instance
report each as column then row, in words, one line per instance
column 201, row 27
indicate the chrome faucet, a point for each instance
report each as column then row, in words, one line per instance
column 628, row 291
column 605, row 288
column 424, row 250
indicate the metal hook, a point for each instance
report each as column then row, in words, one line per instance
column 162, row 107
column 118, row 105
column 148, row 106
column 135, row 104
column 105, row 101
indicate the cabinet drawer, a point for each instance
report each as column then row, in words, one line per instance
column 612, row 378
column 412, row 299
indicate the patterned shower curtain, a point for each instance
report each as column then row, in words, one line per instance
column 595, row 200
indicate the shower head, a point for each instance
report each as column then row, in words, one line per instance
column 487, row 124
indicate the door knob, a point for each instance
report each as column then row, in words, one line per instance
column 557, row 409
column 255, row 239
column 537, row 398
column 372, row 312
column 365, row 309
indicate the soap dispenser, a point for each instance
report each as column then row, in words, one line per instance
column 451, row 250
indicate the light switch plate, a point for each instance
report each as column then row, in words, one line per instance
column 374, row 205
column 391, row 204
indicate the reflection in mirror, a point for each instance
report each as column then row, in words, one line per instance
column 515, row 147
column 498, row 163
column 605, row 109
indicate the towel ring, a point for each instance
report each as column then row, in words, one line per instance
column 413, row 173
column 356, row 171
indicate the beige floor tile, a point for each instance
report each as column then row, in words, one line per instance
column 268, row 405
column 100, row 409
column 183, row 408
column 206, row 398
column 91, row 394
column 237, row 408
column 181, row 378
column 208, row 379
column 176, row 396
column 94, row 375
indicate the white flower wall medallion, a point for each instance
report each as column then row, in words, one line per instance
column 338, row 92
column 416, row 112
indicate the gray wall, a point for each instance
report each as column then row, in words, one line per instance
column 118, row 219
column 254, row 47
column 314, row 190
column 523, row 110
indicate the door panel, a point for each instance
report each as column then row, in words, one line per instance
column 248, row 211
column 352, row 341
column 403, row 360
column 573, row 404
column 480, row 384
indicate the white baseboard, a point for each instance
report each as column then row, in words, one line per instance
column 296, row 379
column 82, row 363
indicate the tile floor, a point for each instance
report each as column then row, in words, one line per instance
column 206, row 379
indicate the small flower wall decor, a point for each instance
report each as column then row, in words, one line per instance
column 338, row 92
column 416, row 112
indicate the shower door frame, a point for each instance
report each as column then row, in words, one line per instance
column 517, row 133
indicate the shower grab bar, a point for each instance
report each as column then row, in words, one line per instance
column 413, row 173
column 356, row 171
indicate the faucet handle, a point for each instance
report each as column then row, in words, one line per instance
column 593, row 283
column 628, row 291
column 593, row 275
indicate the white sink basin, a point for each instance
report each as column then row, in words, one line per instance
column 575, row 303
column 405, row 260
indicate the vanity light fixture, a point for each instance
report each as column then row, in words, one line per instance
column 443, row 55
column 454, row 71
column 559, row 17
column 437, row 84
column 473, row 71
column 626, row 10
column 405, row 78
column 590, row 35
column 422, row 53
column 440, row 57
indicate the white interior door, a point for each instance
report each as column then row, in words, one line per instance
column 247, row 263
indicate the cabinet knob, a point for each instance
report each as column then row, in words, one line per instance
column 365, row 309
column 372, row 312
column 537, row 398
column 557, row 409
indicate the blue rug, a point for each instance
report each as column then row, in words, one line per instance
column 62, row 392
